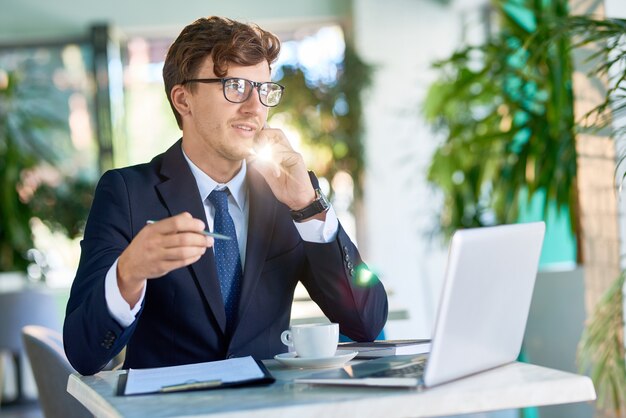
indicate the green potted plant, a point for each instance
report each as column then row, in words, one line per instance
column 601, row 349
column 508, row 126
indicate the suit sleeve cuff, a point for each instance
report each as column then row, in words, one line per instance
column 119, row 309
column 317, row 231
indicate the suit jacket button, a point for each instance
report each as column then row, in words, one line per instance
column 349, row 265
column 230, row 356
column 345, row 248
column 351, row 272
column 346, row 257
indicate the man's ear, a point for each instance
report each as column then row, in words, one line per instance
column 178, row 95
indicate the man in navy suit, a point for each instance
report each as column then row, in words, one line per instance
column 158, row 287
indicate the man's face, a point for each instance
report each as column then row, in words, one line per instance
column 218, row 127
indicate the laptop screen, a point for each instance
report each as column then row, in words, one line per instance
column 485, row 300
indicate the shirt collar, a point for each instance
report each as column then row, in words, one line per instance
column 236, row 185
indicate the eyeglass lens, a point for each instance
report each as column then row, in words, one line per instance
column 238, row 90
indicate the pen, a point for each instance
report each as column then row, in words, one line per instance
column 191, row 386
column 207, row 233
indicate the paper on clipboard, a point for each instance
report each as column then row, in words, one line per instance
column 225, row 372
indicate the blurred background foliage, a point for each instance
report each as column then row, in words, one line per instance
column 508, row 122
column 26, row 126
column 601, row 348
column 34, row 145
column 326, row 112
column 608, row 59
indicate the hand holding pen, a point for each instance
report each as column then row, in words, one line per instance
column 159, row 248
column 203, row 232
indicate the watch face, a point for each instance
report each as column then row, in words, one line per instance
column 319, row 205
column 323, row 200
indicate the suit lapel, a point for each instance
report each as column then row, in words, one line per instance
column 260, row 226
column 180, row 194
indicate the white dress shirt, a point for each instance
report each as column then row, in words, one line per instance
column 311, row 231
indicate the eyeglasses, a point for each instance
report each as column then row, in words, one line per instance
column 238, row 90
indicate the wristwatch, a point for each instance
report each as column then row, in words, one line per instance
column 319, row 205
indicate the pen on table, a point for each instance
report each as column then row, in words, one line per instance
column 191, row 385
column 207, row 233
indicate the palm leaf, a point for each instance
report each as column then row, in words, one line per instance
column 601, row 349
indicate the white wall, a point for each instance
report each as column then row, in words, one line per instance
column 402, row 38
column 615, row 8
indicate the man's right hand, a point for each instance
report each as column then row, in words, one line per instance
column 157, row 249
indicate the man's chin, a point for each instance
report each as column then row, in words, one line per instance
column 243, row 149
column 239, row 154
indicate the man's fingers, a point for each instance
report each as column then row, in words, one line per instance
column 173, row 258
column 186, row 239
column 274, row 138
column 164, row 246
column 182, row 222
column 181, row 253
column 268, row 169
column 168, row 266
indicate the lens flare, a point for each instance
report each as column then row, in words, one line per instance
column 364, row 277
column 265, row 153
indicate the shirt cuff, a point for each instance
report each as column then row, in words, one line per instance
column 317, row 231
column 118, row 308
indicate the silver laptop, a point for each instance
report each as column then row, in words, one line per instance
column 482, row 315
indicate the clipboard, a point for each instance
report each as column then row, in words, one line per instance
column 232, row 379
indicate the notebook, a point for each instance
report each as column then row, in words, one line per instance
column 487, row 290
column 382, row 348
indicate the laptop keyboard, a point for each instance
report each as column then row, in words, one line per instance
column 415, row 370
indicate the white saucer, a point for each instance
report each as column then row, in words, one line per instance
column 339, row 359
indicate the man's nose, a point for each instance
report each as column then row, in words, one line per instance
column 253, row 105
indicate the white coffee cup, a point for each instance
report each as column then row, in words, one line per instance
column 312, row 340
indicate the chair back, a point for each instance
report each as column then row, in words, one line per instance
column 51, row 370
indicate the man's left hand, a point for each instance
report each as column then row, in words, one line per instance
column 283, row 169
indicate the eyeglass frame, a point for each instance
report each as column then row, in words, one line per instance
column 255, row 85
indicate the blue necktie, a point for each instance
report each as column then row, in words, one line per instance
column 227, row 259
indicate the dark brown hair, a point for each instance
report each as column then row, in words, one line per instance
column 226, row 40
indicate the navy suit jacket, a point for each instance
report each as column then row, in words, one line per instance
column 182, row 319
